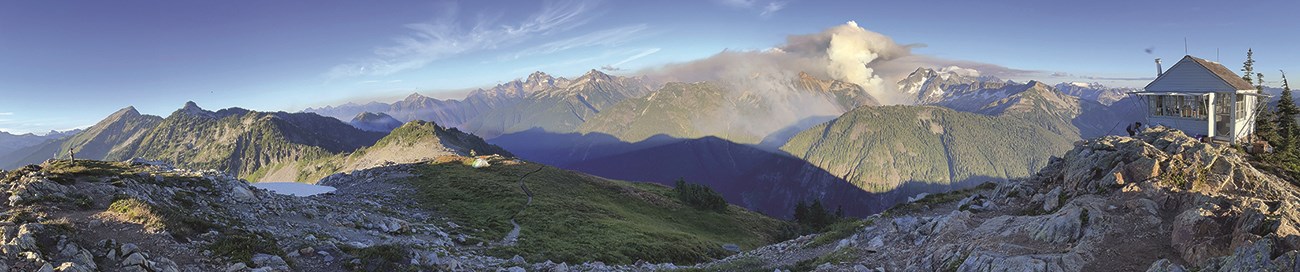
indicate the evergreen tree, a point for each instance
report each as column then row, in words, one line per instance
column 801, row 212
column 1248, row 67
column 1286, row 121
column 820, row 216
column 1266, row 120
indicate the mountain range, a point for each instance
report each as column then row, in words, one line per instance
column 763, row 146
column 10, row 143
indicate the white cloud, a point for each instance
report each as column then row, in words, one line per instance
column 608, row 37
column 771, row 8
column 6, row 113
column 764, row 9
column 642, row 54
column 445, row 37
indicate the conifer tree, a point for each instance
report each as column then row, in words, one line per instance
column 801, row 212
column 1265, row 122
column 1248, row 67
column 1286, row 120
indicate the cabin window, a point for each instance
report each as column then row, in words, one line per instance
column 1157, row 105
column 1222, row 105
column 1180, row 106
column 1242, row 111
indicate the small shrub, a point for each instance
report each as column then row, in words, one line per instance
column 846, row 254
column 181, row 225
column 242, row 245
column 138, row 212
column 82, row 201
column 379, row 258
column 837, row 231
column 700, row 196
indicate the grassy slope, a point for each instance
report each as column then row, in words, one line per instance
column 880, row 148
column 576, row 217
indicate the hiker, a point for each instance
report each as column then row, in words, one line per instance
column 72, row 156
column 1133, row 129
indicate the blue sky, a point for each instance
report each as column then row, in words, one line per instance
column 66, row 64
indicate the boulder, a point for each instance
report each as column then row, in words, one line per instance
column 1064, row 226
column 1197, row 236
column 1164, row 265
column 274, row 262
column 1052, row 199
column 987, row 261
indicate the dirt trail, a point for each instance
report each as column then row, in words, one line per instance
column 513, row 236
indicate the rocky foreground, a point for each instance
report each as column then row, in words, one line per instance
column 1160, row 201
column 142, row 216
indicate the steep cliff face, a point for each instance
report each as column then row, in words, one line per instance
column 1161, row 201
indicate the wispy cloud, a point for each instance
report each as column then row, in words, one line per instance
column 764, row 9
column 6, row 113
column 607, row 37
column 446, row 37
column 616, row 66
column 1088, row 77
column 771, row 8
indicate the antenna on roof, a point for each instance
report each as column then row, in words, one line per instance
column 1216, row 54
column 1185, row 46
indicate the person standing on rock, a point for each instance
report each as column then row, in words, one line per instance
column 72, row 155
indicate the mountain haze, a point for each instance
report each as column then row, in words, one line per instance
column 378, row 122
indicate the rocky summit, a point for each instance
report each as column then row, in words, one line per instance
column 1159, row 201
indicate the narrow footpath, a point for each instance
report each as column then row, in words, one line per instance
column 513, row 236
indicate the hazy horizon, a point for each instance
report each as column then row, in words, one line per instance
column 69, row 65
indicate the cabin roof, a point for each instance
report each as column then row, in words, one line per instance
column 1192, row 74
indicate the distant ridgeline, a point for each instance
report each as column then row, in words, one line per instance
column 234, row 140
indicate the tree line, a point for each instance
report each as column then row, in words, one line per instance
column 1276, row 125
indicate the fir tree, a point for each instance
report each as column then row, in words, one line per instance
column 820, row 216
column 801, row 212
column 1286, row 120
column 1248, row 67
column 1265, row 121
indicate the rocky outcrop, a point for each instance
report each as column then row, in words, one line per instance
column 1159, row 201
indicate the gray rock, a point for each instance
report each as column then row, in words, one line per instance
column 73, row 267
column 1065, row 226
column 906, row 224
column 1052, row 199
column 135, row 259
column 986, row 261
column 237, row 267
column 261, row 260
column 875, row 244
column 517, row 259
column 1164, row 265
